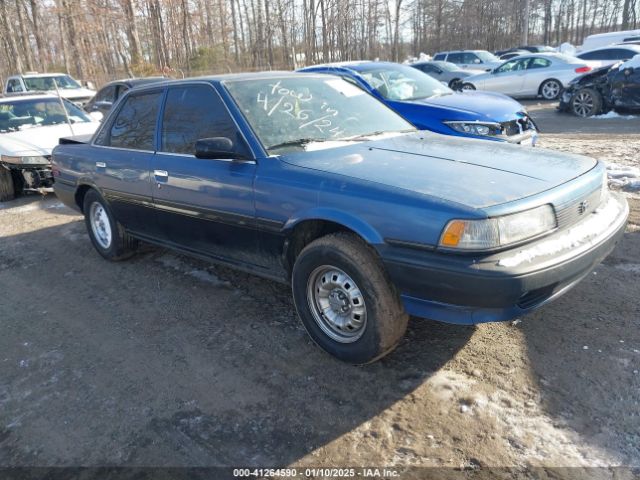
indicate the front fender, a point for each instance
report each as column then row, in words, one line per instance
column 347, row 220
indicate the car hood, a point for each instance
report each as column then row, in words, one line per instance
column 41, row 140
column 73, row 93
column 474, row 173
column 488, row 105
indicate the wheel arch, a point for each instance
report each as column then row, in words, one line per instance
column 549, row 79
column 83, row 187
column 301, row 231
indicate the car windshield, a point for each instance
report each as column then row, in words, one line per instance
column 65, row 82
column 23, row 114
column 402, row 83
column 448, row 66
column 295, row 112
column 486, row 56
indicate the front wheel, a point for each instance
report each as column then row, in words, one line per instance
column 550, row 89
column 345, row 299
column 7, row 188
column 468, row 87
column 107, row 235
column 586, row 102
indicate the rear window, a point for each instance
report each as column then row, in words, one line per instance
column 440, row 56
column 134, row 126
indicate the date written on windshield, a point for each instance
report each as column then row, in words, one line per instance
column 301, row 107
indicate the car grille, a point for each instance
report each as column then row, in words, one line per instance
column 569, row 213
column 516, row 127
column 535, row 297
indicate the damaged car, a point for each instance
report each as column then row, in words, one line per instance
column 30, row 126
column 610, row 88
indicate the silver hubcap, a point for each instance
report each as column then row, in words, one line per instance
column 583, row 104
column 550, row 90
column 337, row 304
column 100, row 225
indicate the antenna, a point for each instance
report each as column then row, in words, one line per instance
column 64, row 107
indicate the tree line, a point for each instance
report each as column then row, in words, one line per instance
column 100, row 40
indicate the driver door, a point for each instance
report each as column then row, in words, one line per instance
column 203, row 205
column 508, row 78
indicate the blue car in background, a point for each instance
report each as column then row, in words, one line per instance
column 430, row 105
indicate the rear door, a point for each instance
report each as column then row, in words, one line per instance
column 538, row 69
column 203, row 205
column 123, row 151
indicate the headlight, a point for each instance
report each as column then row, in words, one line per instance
column 497, row 232
column 27, row 160
column 482, row 129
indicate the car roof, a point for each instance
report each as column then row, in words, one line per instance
column 132, row 82
column 607, row 47
column 35, row 96
column 32, row 75
column 464, row 50
column 227, row 77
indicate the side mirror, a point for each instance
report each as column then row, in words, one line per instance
column 477, row 60
column 217, row 147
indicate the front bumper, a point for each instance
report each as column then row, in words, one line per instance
column 467, row 289
column 31, row 178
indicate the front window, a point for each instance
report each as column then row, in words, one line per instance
column 401, row 83
column 32, row 113
column 64, row 82
column 296, row 112
column 512, row 66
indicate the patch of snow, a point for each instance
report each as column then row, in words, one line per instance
column 629, row 267
column 585, row 232
column 633, row 62
column 613, row 114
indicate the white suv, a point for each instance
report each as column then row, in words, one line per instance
column 68, row 87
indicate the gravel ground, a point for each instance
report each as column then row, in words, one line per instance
column 164, row 360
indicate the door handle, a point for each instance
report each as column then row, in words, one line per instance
column 161, row 173
column 101, row 165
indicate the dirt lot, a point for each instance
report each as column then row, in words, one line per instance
column 165, row 360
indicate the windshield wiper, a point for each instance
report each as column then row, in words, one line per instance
column 373, row 134
column 298, row 142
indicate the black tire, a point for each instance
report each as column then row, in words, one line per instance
column 454, row 84
column 586, row 102
column 7, row 188
column 550, row 89
column 467, row 86
column 385, row 320
column 121, row 245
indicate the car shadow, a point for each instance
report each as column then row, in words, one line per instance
column 585, row 351
column 35, row 201
column 164, row 360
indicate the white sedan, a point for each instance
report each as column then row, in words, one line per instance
column 30, row 126
column 541, row 74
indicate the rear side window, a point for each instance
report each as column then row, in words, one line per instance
column 539, row 63
column 107, row 94
column 622, row 54
column 455, row 58
column 191, row 113
column 14, row 86
column 440, row 56
column 135, row 124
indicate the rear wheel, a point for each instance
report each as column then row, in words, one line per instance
column 468, row 86
column 550, row 89
column 107, row 235
column 586, row 102
column 7, row 188
column 345, row 299
column 454, row 84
